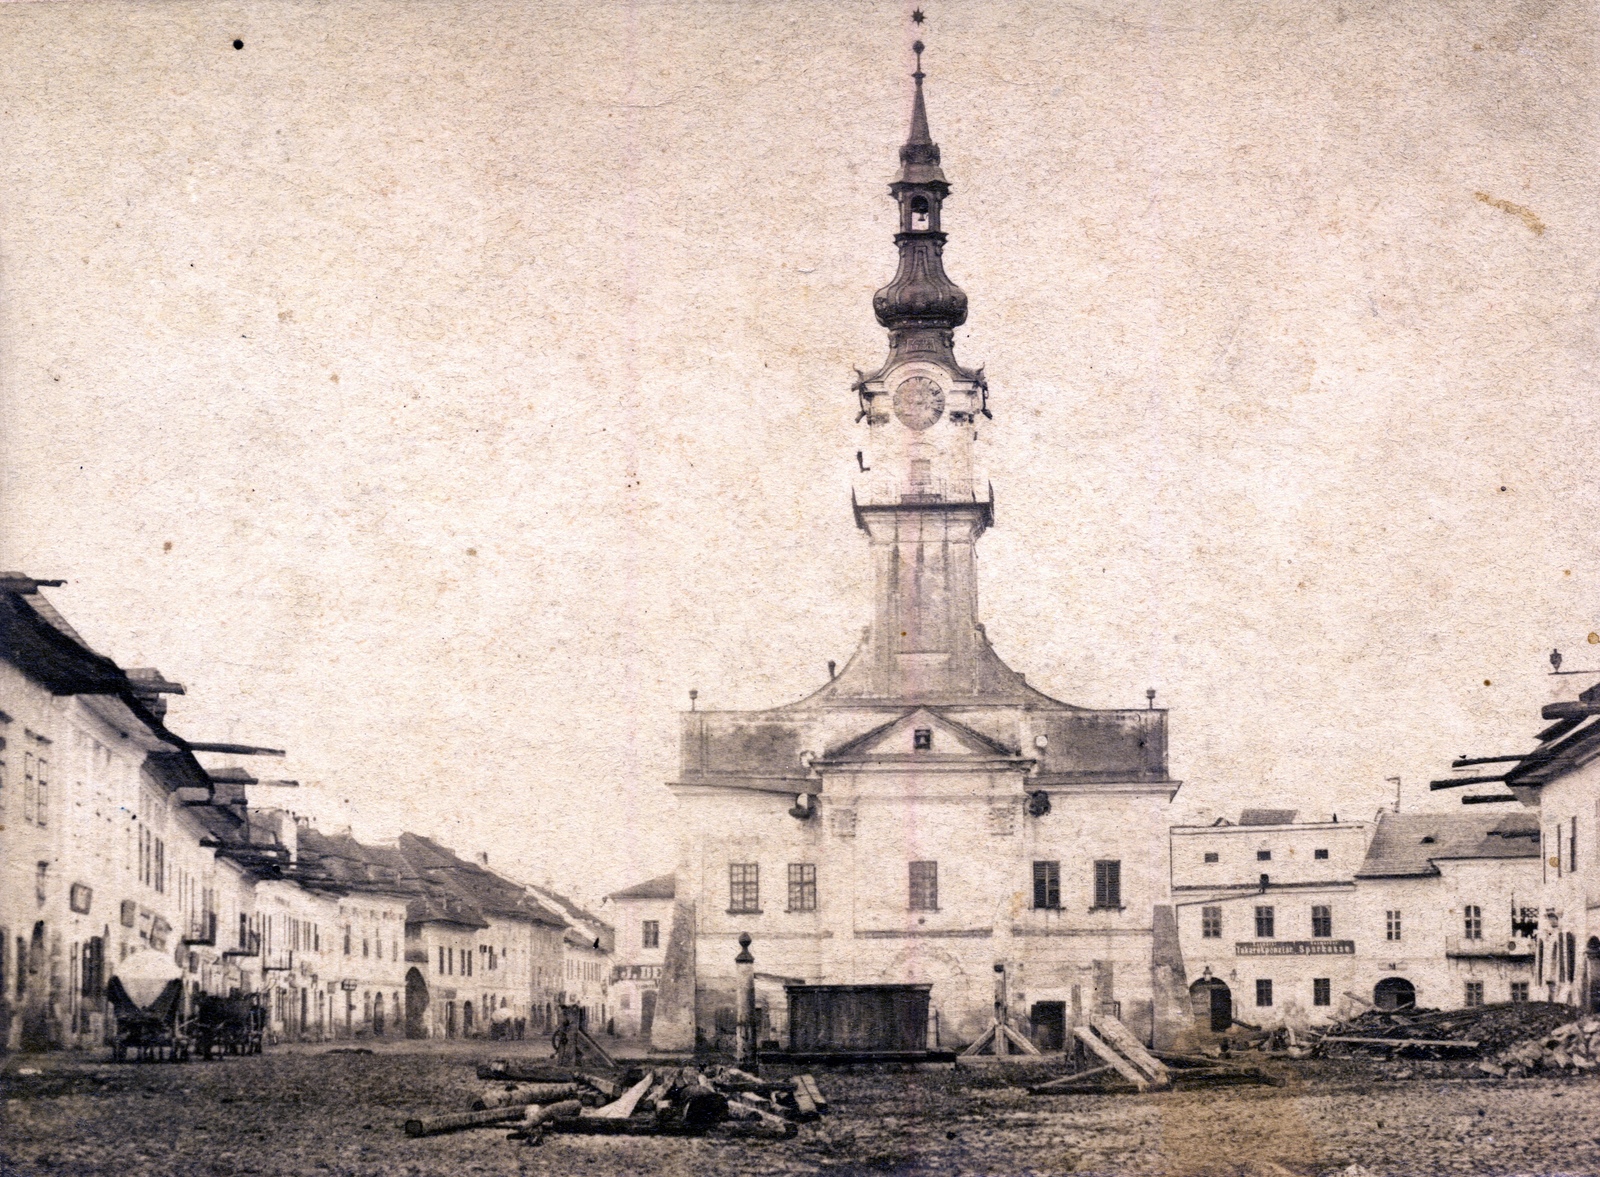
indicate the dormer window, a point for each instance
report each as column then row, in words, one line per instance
column 919, row 213
column 922, row 739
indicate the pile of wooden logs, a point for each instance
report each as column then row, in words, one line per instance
column 535, row 1101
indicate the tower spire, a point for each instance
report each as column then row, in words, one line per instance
column 919, row 109
column 917, row 493
column 921, row 295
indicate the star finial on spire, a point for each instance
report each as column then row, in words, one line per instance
column 918, row 16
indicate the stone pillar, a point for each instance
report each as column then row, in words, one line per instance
column 745, row 1004
column 1168, row 984
column 674, row 1026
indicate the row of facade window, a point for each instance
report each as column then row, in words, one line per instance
column 922, row 888
column 1320, row 854
column 1322, row 992
column 1266, row 922
column 451, row 960
column 35, row 787
column 1322, row 923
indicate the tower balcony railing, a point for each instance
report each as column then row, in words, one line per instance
column 888, row 491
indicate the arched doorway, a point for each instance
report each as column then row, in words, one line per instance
column 35, row 1010
column 416, row 1005
column 1212, row 1003
column 449, row 1019
column 1591, row 955
column 377, row 1015
column 647, row 1012
column 466, row 1019
column 1394, row 993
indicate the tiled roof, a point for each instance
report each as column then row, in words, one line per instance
column 1411, row 844
column 1268, row 817
column 660, row 887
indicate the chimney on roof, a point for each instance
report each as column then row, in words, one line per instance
column 149, row 685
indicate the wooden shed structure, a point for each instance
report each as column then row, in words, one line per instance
column 858, row 1019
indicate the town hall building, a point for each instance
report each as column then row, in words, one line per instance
column 926, row 816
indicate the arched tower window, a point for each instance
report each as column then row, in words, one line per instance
column 919, row 213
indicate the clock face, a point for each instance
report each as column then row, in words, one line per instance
column 918, row 402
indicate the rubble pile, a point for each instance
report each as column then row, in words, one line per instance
column 538, row 1100
column 1478, row 1031
column 1574, row 1047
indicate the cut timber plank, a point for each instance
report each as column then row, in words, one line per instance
column 816, row 1092
column 600, row 1083
column 1108, row 1055
column 1114, row 1032
column 803, row 1101
column 623, row 1107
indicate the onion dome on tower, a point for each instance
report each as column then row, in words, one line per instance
column 921, row 294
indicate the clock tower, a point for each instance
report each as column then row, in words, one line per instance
column 916, row 493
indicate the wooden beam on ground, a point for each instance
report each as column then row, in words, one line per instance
column 622, row 1107
column 434, row 1125
column 1457, row 1043
column 1061, row 1085
column 816, row 1092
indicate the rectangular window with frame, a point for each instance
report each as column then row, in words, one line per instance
column 802, row 886
column 1211, row 923
column 42, row 768
column 1321, row 922
column 1391, row 925
column 1472, row 994
column 650, row 934
column 924, row 886
column 1472, row 923
column 1263, row 992
column 27, row 786
column 1047, row 885
column 1519, row 991
column 1108, row 883
column 1266, row 920
column 1212, row 856
column 1321, row 991
column 744, row 888
column 1263, row 856
column 1320, row 854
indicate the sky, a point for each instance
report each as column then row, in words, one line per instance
column 442, row 390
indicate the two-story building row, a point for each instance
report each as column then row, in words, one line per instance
column 1302, row 923
column 115, row 838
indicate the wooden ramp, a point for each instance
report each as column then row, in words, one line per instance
column 1111, row 1042
column 1119, row 1036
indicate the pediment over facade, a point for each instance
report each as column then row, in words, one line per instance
column 921, row 733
